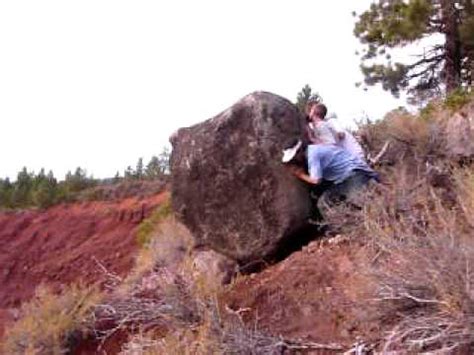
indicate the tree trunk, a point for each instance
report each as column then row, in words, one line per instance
column 452, row 64
column 469, row 48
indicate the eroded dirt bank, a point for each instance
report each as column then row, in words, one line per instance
column 316, row 294
column 67, row 243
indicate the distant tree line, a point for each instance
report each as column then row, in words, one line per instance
column 44, row 190
column 157, row 168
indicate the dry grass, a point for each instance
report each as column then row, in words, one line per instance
column 219, row 333
column 411, row 139
column 156, row 294
column 423, row 270
column 49, row 321
column 168, row 245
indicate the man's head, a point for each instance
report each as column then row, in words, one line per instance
column 318, row 111
column 309, row 105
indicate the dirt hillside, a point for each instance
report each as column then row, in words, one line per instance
column 316, row 294
column 67, row 243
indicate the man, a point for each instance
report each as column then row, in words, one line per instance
column 319, row 129
column 327, row 132
column 334, row 173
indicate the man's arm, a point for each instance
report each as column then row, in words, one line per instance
column 302, row 175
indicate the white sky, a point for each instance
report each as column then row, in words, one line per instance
column 98, row 84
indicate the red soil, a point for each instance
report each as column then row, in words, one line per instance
column 317, row 294
column 62, row 245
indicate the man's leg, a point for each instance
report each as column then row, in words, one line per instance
column 344, row 192
column 315, row 193
column 355, row 186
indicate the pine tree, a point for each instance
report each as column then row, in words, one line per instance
column 21, row 194
column 38, row 179
column 304, row 96
column 6, row 189
column 139, row 172
column 164, row 161
column 78, row 181
column 390, row 24
column 45, row 192
column 128, row 173
column 116, row 178
column 153, row 169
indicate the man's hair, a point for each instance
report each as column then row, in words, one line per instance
column 321, row 110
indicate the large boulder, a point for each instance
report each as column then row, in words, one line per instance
column 229, row 186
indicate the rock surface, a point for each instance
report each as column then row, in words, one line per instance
column 229, row 186
column 460, row 134
column 212, row 269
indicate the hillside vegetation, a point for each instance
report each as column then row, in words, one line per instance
column 41, row 190
column 394, row 273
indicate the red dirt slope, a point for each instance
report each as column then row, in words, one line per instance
column 61, row 245
column 317, row 294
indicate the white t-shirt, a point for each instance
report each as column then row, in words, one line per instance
column 349, row 142
column 326, row 132
column 352, row 145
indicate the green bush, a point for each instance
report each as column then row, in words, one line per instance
column 146, row 228
column 457, row 99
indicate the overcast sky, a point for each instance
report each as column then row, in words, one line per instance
column 98, row 83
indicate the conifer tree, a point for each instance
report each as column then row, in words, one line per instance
column 153, row 169
column 306, row 94
column 78, row 181
column 164, row 160
column 21, row 194
column 444, row 66
column 45, row 192
column 6, row 189
column 116, row 178
column 128, row 173
column 139, row 172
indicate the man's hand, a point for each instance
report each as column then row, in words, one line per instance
column 301, row 174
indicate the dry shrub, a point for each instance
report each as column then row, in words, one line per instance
column 410, row 138
column 169, row 242
column 216, row 334
column 214, row 328
column 158, row 302
column 465, row 187
column 423, row 257
column 49, row 321
column 156, row 294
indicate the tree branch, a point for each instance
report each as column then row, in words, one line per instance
column 438, row 58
